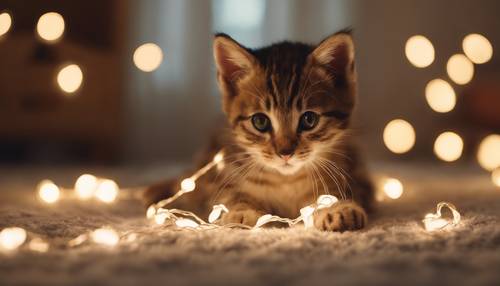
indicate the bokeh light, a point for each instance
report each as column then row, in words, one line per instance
column 448, row 146
column 70, row 78
column 477, row 48
column 148, row 57
column 488, row 154
column 393, row 188
column 440, row 95
column 12, row 237
column 419, row 51
column 107, row 191
column 85, row 186
column 48, row 191
column 38, row 245
column 495, row 177
column 460, row 69
column 5, row 23
column 105, row 236
column 399, row 136
column 50, row 26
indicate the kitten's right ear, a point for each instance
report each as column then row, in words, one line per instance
column 233, row 62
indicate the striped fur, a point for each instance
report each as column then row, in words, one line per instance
column 286, row 167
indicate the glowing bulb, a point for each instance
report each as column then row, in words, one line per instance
column 419, row 51
column 218, row 157
column 440, row 95
column 307, row 216
column 107, row 190
column 150, row 213
column 393, row 188
column 5, row 23
column 477, row 48
column 488, row 153
column 38, row 245
column 495, row 177
column 326, row 201
column 12, row 237
column 86, row 186
column 48, row 191
column 70, row 78
column 216, row 212
column 448, row 146
column 185, row 222
column 148, row 57
column 160, row 218
column 188, row 185
column 460, row 69
column 399, row 136
column 263, row 220
column 435, row 221
column 50, row 26
column 105, row 236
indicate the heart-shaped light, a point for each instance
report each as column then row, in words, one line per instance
column 435, row 221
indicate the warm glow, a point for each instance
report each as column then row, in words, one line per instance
column 70, row 78
column 419, row 51
column 150, row 213
column 399, row 136
column 488, row 153
column 5, row 23
column 216, row 212
column 107, row 191
column 105, row 236
column 38, row 245
column 160, row 218
column 12, row 237
column 85, row 186
column 307, row 216
column 448, row 146
column 495, row 177
column 185, row 222
column 460, row 69
column 433, row 222
column 148, row 57
column 48, row 191
column 188, row 185
column 50, row 26
column 440, row 95
column 218, row 157
column 477, row 48
column 393, row 188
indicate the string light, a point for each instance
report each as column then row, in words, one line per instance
column 188, row 185
column 148, row 57
column 477, row 48
column 48, row 191
column 419, row 51
column 393, row 188
column 70, row 78
column 399, row 136
column 12, row 237
column 5, row 23
column 460, row 69
column 50, row 26
column 185, row 222
column 435, row 221
column 85, row 186
column 448, row 146
column 488, row 154
column 495, row 177
column 216, row 212
column 107, row 190
column 440, row 96
column 105, row 236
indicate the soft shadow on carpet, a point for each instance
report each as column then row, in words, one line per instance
column 393, row 250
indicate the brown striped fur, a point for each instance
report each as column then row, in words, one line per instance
column 283, row 81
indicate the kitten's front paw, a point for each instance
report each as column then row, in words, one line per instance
column 247, row 216
column 341, row 216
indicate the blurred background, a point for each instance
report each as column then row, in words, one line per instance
column 133, row 82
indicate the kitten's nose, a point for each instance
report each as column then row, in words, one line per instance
column 286, row 157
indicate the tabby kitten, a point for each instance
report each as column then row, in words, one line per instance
column 288, row 108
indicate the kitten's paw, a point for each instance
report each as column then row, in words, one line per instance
column 247, row 216
column 341, row 216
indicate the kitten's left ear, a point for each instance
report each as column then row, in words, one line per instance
column 336, row 55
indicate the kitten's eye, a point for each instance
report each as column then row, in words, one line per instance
column 308, row 120
column 261, row 122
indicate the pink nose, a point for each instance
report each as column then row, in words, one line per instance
column 286, row 157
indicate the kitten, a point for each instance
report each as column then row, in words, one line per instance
column 288, row 108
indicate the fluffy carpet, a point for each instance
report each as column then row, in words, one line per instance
column 393, row 250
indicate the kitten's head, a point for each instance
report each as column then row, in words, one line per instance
column 288, row 104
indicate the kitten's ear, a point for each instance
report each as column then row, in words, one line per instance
column 233, row 62
column 336, row 55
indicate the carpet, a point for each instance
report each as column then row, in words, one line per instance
column 393, row 250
